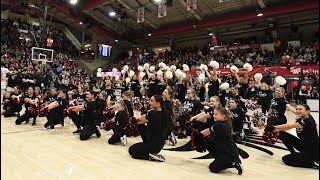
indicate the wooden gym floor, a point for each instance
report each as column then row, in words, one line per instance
column 31, row 153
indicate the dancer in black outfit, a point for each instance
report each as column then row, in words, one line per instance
column 15, row 104
column 126, row 96
column 307, row 144
column 264, row 96
column 89, row 116
column 167, row 97
column 121, row 120
column 30, row 100
column 223, row 147
column 279, row 105
column 78, row 99
column 213, row 84
column 154, row 134
column 55, row 116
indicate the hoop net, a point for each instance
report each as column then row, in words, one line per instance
column 43, row 61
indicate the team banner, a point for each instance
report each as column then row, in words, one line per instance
column 277, row 71
column 237, row 47
column 162, row 10
column 191, row 4
column 140, row 15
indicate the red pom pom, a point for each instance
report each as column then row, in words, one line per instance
column 132, row 127
column 43, row 111
column 198, row 141
column 269, row 136
column 109, row 124
column 32, row 110
column 108, row 113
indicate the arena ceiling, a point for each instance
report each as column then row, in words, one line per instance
column 210, row 15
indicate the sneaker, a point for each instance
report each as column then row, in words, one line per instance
column 46, row 128
column 182, row 136
column 239, row 167
column 156, row 157
column 316, row 165
column 52, row 126
column 98, row 133
column 124, row 140
column 172, row 138
column 78, row 131
column 34, row 123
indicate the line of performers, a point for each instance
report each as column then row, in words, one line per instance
column 218, row 123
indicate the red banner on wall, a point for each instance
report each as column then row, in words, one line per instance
column 277, row 71
column 237, row 47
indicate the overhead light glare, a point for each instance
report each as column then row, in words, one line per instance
column 73, row 1
column 259, row 14
column 112, row 14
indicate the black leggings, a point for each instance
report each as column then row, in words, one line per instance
column 25, row 117
column 302, row 159
column 115, row 138
column 10, row 112
column 88, row 131
column 220, row 163
column 78, row 121
column 265, row 109
column 141, row 150
column 277, row 121
column 54, row 118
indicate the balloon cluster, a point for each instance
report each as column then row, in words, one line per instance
column 259, row 119
column 252, row 105
column 132, row 127
column 273, row 113
column 269, row 136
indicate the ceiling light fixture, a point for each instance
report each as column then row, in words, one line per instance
column 80, row 22
column 116, row 40
column 210, row 34
column 112, row 14
column 149, row 34
column 157, row 0
column 73, row 1
column 259, row 14
column 160, row 49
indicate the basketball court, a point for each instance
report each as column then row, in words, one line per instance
column 30, row 152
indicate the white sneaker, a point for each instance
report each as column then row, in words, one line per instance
column 156, row 157
column 172, row 138
column 124, row 140
column 316, row 164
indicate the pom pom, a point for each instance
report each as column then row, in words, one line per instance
column 287, row 56
column 140, row 68
column 146, row 66
column 214, row 64
column 173, row 68
column 228, row 66
column 128, row 80
column 6, row 104
column 132, row 127
column 259, row 119
column 269, row 136
column 178, row 72
column 108, row 113
column 185, row 67
column 272, row 113
column 141, row 75
column 201, row 77
column 280, row 80
column 162, row 65
column 43, row 111
column 203, row 67
column 114, row 70
column 234, row 68
column 183, row 75
column 136, row 103
column 258, row 76
column 152, row 69
column 99, row 70
column 126, row 68
column 109, row 124
column 169, row 75
column 248, row 67
column 123, row 71
column 117, row 78
column 131, row 73
column 198, row 141
column 33, row 110
column 167, row 68
column 224, row 86
column 252, row 105
column 159, row 73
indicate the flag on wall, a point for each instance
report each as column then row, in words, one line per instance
column 191, row 4
column 162, row 10
column 140, row 15
column 214, row 40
